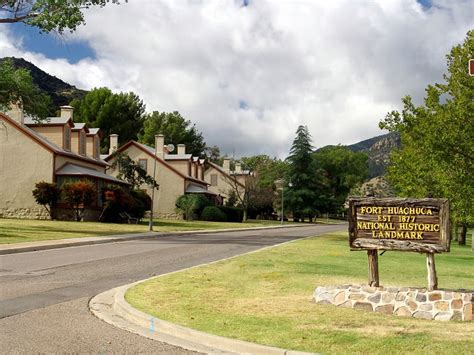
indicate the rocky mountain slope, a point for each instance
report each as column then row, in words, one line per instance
column 378, row 149
column 60, row 92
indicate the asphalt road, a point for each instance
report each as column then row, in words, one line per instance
column 44, row 294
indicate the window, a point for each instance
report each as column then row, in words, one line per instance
column 82, row 143
column 67, row 138
column 143, row 164
column 213, row 179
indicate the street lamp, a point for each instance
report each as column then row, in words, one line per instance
column 150, row 224
column 282, row 183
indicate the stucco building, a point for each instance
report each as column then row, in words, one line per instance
column 55, row 151
column 177, row 174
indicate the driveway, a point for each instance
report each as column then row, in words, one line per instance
column 44, row 294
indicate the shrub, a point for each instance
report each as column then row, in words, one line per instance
column 115, row 200
column 234, row 214
column 191, row 205
column 141, row 203
column 79, row 195
column 213, row 213
column 47, row 195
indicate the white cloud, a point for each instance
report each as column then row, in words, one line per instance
column 248, row 76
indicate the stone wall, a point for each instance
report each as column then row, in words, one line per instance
column 443, row 305
column 24, row 213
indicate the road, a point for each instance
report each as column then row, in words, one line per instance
column 44, row 294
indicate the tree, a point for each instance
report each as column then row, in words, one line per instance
column 176, row 130
column 266, row 171
column 132, row 173
column 46, row 194
column 79, row 196
column 17, row 87
column 437, row 153
column 191, row 205
column 212, row 154
column 306, row 196
column 121, row 114
column 48, row 15
column 343, row 169
column 242, row 191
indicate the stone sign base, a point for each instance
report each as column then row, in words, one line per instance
column 443, row 305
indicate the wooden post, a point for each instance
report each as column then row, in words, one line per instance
column 373, row 267
column 432, row 278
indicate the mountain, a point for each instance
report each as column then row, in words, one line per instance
column 378, row 149
column 60, row 92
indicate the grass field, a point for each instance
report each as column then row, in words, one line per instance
column 266, row 297
column 22, row 230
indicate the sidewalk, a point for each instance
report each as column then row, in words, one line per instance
column 74, row 242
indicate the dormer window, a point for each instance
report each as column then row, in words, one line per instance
column 67, row 138
column 82, row 143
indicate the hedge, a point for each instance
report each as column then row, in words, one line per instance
column 213, row 213
column 234, row 214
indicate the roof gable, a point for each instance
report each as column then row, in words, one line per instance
column 151, row 152
column 220, row 170
column 45, row 143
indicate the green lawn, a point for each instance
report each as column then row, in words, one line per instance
column 22, row 230
column 266, row 297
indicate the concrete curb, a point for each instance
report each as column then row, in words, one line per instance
column 111, row 307
column 75, row 242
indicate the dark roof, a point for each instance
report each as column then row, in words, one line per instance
column 77, row 170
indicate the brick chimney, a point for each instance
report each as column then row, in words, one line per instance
column 16, row 112
column 181, row 149
column 67, row 111
column 159, row 145
column 113, row 143
column 226, row 165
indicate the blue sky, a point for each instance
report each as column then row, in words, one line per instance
column 52, row 45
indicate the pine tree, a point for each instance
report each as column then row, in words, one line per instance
column 304, row 196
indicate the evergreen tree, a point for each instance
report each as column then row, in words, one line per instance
column 305, row 196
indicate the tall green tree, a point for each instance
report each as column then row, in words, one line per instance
column 268, row 169
column 343, row 169
column 48, row 15
column 306, row 196
column 121, row 113
column 175, row 128
column 437, row 154
column 17, row 87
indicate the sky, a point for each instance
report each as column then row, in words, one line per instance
column 249, row 72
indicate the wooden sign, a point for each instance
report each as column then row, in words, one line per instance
column 420, row 225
